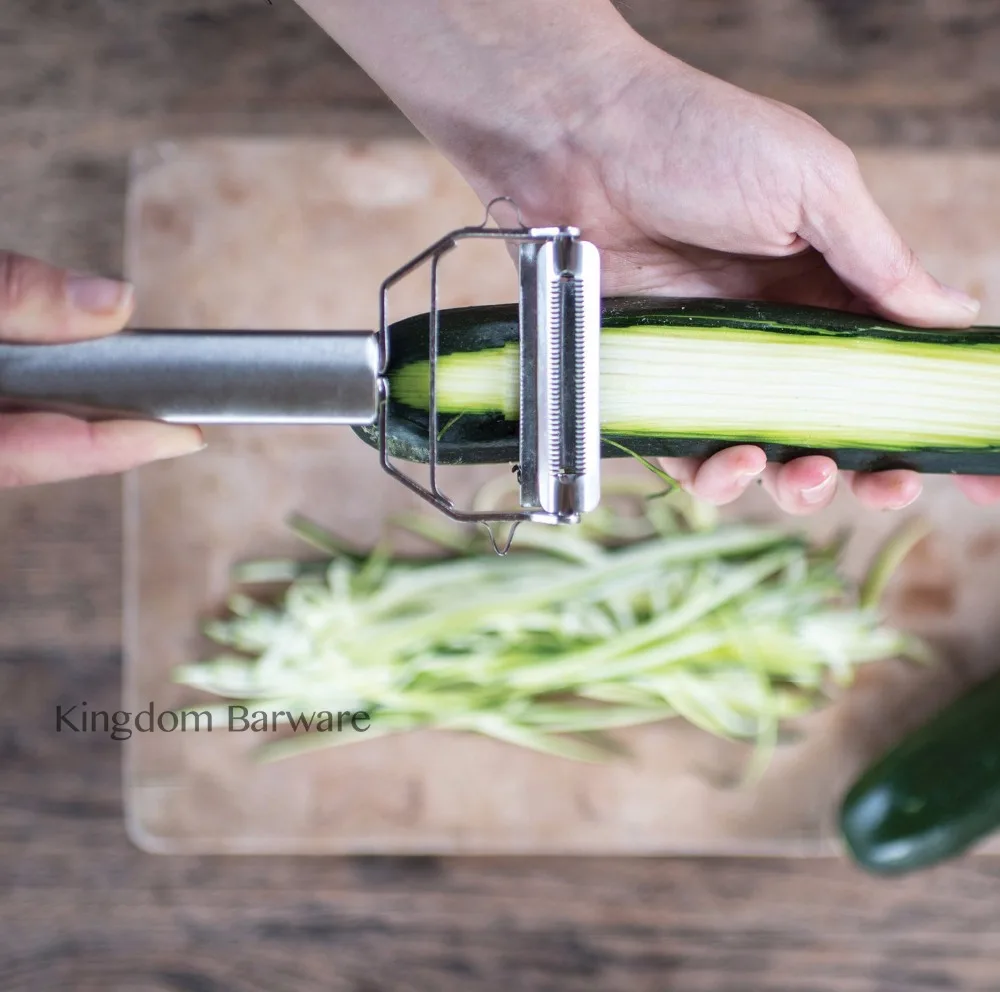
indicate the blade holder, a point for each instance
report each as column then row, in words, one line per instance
column 559, row 324
column 559, row 410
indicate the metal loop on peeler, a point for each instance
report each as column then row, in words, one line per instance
column 503, row 199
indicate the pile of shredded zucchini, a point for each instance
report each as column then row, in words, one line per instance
column 648, row 610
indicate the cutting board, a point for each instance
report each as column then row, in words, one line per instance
column 286, row 235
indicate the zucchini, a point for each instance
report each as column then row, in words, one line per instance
column 933, row 795
column 693, row 376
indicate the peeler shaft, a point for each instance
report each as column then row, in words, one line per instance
column 203, row 377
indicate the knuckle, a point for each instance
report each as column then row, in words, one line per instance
column 843, row 158
column 837, row 168
column 805, row 127
column 24, row 283
column 14, row 282
column 898, row 269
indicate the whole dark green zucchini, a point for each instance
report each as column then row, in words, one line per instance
column 693, row 376
column 933, row 795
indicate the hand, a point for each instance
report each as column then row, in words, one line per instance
column 693, row 187
column 40, row 304
column 688, row 185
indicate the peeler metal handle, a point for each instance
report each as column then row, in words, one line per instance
column 200, row 377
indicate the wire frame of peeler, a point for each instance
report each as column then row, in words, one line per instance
column 559, row 321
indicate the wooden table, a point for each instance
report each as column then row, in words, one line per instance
column 81, row 909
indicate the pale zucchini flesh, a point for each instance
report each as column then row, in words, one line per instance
column 743, row 385
column 690, row 377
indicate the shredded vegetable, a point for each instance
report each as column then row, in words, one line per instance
column 651, row 609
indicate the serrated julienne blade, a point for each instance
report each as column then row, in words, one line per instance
column 559, row 405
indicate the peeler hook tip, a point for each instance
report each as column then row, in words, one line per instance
column 503, row 199
column 502, row 552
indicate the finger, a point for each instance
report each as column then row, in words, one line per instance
column 981, row 490
column 803, row 485
column 725, row 476
column 50, row 447
column 721, row 478
column 681, row 470
column 887, row 490
column 39, row 302
column 842, row 220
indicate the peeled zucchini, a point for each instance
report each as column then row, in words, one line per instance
column 693, row 376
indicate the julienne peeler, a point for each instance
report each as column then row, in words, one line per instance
column 340, row 377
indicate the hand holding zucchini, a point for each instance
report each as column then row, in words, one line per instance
column 688, row 377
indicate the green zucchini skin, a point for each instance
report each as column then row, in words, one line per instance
column 491, row 439
column 933, row 795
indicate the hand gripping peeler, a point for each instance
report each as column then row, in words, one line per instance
column 340, row 377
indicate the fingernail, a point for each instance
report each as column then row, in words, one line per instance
column 815, row 493
column 903, row 503
column 95, row 294
column 963, row 299
column 742, row 482
column 177, row 441
column 902, row 500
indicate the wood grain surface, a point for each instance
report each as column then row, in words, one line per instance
column 81, row 909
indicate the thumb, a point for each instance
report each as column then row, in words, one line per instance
column 42, row 303
column 842, row 220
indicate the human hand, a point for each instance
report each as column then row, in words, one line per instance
column 689, row 186
column 40, row 304
column 693, row 187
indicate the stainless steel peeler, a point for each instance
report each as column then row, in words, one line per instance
column 340, row 377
